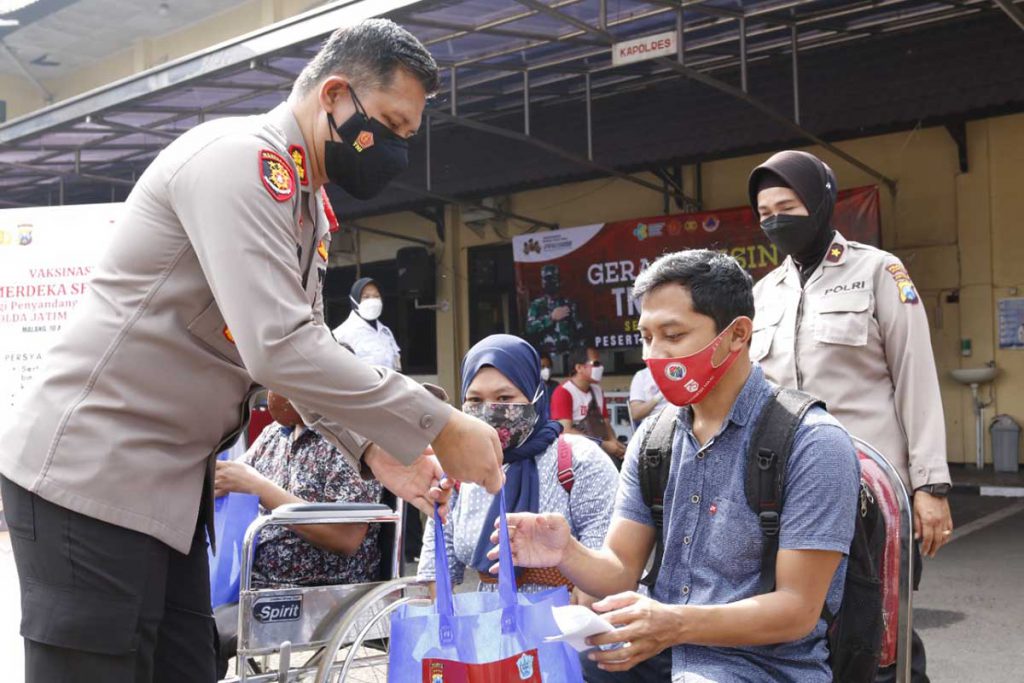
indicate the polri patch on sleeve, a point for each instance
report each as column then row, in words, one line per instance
column 908, row 293
column 276, row 174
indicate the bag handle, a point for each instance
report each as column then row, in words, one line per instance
column 443, row 584
column 507, row 590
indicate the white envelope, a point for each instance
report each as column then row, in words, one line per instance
column 577, row 623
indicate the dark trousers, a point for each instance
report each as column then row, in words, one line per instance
column 918, row 659
column 103, row 603
column 654, row 670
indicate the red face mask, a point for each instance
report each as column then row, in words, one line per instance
column 687, row 379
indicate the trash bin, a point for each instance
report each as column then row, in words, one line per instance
column 1005, row 443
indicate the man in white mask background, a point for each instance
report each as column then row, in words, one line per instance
column 371, row 339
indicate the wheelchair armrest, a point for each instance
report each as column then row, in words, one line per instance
column 332, row 513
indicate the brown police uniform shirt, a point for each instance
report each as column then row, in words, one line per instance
column 211, row 286
column 856, row 335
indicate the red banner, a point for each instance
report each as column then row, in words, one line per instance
column 573, row 285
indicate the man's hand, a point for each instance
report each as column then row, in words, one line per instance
column 647, row 626
column 537, row 540
column 420, row 484
column 469, row 450
column 233, row 476
column 614, row 448
column 560, row 313
column 933, row 522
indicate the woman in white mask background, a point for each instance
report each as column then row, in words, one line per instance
column 371, row 339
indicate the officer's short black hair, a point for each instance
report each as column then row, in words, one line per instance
column 720, row 288
column 368, row 54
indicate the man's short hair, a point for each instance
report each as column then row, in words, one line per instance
column 368, row 54
column 578, row 356
column 720, row 288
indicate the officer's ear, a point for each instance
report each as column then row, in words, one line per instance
column 334, row 91
column 742, row 331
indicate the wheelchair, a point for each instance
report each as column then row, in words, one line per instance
column 892, row 497
column 322, row 633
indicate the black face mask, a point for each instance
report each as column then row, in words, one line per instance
column 551, row 285
column 793, row 235
column 368, row 157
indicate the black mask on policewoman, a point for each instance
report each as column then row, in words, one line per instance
column 795, row 236
column 368, row 157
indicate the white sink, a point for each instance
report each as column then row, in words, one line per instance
column 974, row 375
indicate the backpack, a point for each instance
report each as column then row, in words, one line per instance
column 854, row 634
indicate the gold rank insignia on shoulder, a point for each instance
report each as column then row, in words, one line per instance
column 298, row 155
column 276, row 174
column 364, row 141
column 322, row 250
column 908, row 294
column 835, row 252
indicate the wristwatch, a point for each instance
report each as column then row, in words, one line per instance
column 937, row 490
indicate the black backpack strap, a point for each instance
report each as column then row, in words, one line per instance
column 767, row 458
column 655, row 460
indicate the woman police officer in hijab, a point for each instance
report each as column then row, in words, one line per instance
column 371, row 339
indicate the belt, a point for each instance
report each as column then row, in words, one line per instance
column 546, row 576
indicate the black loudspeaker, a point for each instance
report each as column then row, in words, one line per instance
column 415, row 272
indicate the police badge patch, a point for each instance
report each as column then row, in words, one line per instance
column 298, row 155
column 276, row 174
column 908, row 294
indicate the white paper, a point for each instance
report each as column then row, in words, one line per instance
column 577, row 623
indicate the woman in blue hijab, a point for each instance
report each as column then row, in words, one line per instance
column 502, row 385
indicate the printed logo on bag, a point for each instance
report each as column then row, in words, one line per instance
column 522, row 667
column 525, row 666
column 675, row 371
column 277, row 608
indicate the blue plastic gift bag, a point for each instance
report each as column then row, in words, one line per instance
column 481, row 637
column 232, row 515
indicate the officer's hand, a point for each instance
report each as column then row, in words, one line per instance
column 560, row 313
column 469, row 450
column 645, row 624
column 933, row 522
column 420, row 484
column 233, row 476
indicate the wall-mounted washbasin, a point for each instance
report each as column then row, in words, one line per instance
column 970, row 376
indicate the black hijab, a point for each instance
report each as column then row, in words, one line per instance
column 815, row 183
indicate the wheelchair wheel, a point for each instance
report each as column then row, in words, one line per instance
column 359, row 646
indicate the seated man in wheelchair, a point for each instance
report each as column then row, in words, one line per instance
column 290, row 463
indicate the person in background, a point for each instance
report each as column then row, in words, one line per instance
column 843, row 321
column 644, row 397
column 501, row 385
column 579, row 404
column 373, row 342
column 545, row 374
column 371, row 339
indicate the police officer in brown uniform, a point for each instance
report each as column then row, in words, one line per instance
column 842, row 320
column 212, row 286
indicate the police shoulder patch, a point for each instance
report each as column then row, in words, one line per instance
column 907, row 291
column 276, row 174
